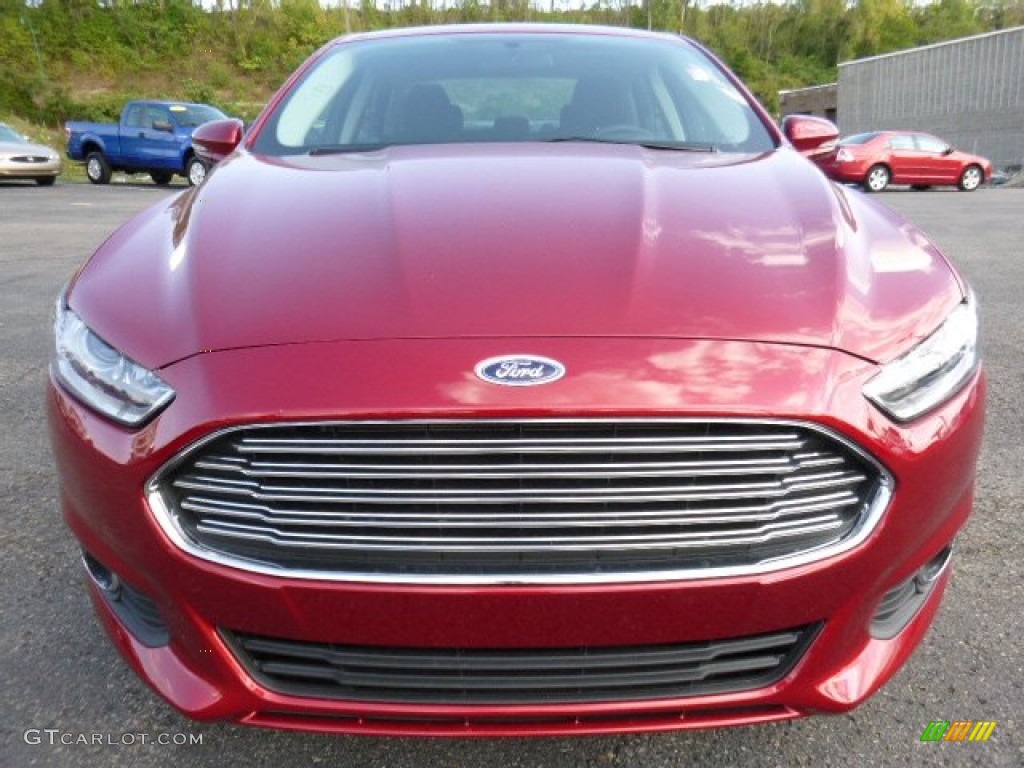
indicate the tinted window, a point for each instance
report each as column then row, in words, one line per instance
column 156, row 115
column 192, row 115
column 859, row 138
column 931, row 144
column 512, row 87
column 133, row 118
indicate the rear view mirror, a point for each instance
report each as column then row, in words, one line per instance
column 217, row 139
column 809, row 133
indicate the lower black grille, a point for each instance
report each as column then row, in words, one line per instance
column 520, row 676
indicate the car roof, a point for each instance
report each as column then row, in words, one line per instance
column 169, row 103
column 510, row 28
column 906, row 133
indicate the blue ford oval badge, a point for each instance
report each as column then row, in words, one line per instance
column 520, row 370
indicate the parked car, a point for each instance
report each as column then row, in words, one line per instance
column 20, row 158
column 153, row 137
column 880, row 158
column 515, row 379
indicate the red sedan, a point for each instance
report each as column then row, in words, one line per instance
column 881, row 158
column 515, row 380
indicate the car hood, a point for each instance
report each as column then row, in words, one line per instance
column 515, row 241
column 23, row 148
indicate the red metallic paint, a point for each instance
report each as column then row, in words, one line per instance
column 645, row 244
column 809, row 134
column 907, row 167
column 102, row 497
column 668, row 285
column 217, row 139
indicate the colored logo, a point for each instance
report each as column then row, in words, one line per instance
column 520, row 370
column 958, row 730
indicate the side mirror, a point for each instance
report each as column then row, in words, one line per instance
column 948, row 151
column 217, row 139
column 809, row 133
column 163, row 125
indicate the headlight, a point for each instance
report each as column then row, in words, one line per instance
column 103, row 378
column 931, row 372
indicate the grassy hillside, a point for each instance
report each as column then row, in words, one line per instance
column 82, row 59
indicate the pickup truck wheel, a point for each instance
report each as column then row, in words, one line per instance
column 97, row 168
column 163, row 178
column 195, row 171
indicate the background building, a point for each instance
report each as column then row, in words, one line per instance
column 817, row 100
column 968, row 91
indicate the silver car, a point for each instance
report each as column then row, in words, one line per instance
column 21, row 159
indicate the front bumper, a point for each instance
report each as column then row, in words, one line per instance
column 22, row 170
column 104, row 469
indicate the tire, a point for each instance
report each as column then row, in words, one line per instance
column 877, row 179
column 45, row 181
column 97, row 168
column 195, row 171
column 161, row 178
column 971, row 178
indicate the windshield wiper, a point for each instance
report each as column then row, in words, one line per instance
column 675, row 146
column 341, row 149
column 672, row 146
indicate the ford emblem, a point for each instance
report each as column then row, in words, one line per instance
column 520, row 370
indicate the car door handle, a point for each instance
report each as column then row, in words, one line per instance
column 142, row 134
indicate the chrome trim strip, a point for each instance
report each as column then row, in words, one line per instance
column 395, row 497
column 268, row 469
column 534, row 445
column 384, row 519
column 924, row 581
column 167, row 520
column 361, row 543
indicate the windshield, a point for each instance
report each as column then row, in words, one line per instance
column 8, row 134
column 192, row 115
column 500, row 87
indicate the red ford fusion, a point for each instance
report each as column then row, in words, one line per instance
column 515, row 380
column 878, row 159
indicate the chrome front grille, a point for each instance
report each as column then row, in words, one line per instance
column 546, row 500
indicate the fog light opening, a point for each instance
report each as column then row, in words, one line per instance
column 102, row 577
column 934, row 568
column 134, row 608
column 901, row 603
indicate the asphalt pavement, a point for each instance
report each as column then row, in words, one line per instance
column 69, row 700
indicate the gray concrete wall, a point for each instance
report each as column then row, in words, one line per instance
column 968, row 91
column 820, row 100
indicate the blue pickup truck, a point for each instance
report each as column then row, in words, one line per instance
column 153, row 137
